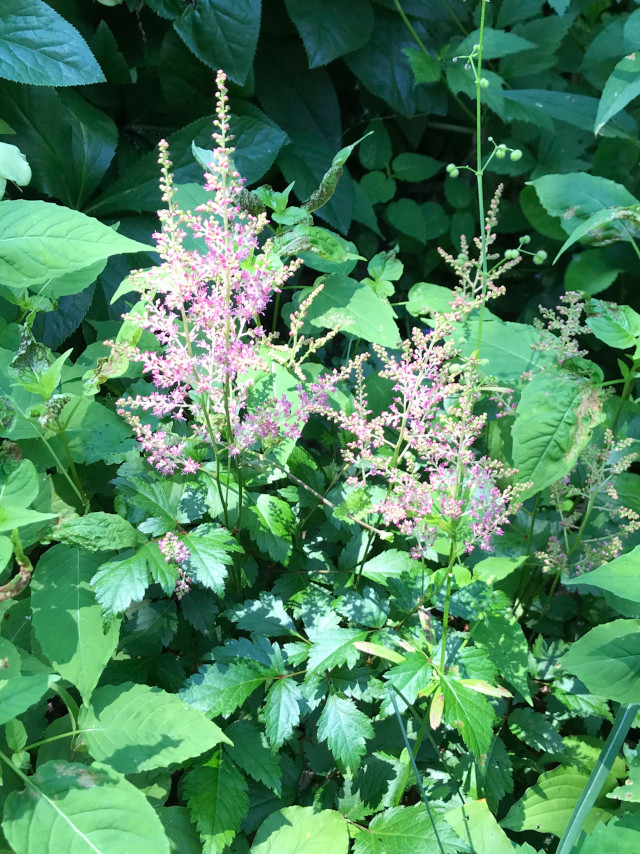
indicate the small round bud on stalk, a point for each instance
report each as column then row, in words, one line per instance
column 516, row 154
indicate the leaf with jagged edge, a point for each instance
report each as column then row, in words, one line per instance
column 470, row 713
column 216, row 795
column 219, row 689
column 251, row 752
column 345, row 729
column 282, row 711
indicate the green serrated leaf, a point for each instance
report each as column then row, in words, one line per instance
column 282, row 711
column 98, row 532
column 503, row 640
column 470, row 713
column 210, row 548
column 216, row 795
column 218, row 689
column 251, row 752
column 40, row 48
column 345, row 729
column 406, row 830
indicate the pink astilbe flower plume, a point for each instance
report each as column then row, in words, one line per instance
column 204, row 311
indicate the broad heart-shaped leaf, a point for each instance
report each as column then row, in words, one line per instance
column 355, row 308
column 270, row 521
column 547, row 806
column 69, row 143
column 210, row 548
column 622, row 87
column 19, row 693
column 302, row 830
column 222, row 34
column 38, row 47
column 406, row 830
column 216, row 795
column 282, row 711
column 618, row 836
column 504, row 642
column 41, row 240
column 555, row 417
column 137, row 728
column 620, row 576
column 475, row 824
column 345, row 729
column 67, row 619
column 470, row 713
column 78, row 808
column 218, row 689
column 607, row 660
column 331, row 28
column 251, row 752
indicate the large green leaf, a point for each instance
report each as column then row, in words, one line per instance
column 356, row 309
column 607, row 660
column 223, row 34
column 210, row 548
column 547, row 806
column 41, row 240
column 345, row 729
column 19, row 693
column 251, row 752
column 504, row 642
column 302, row 830
column 622, row 87
column 331, row 28
column 406, row 830
column 541, row 105
column 555, row 418
column 71, row 807
column 69, row 143
column 137, row 728
column 118, row 583
column 282, row 711
column 618, row 836
column 470, row 713
column 475, row 824
column 38, row 47
column 218, row 689
column 620, row 576
column 574, row 196
column 18, row 484
column 67, row 619
column 216, row 795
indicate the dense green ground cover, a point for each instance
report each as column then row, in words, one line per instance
column 333, row 540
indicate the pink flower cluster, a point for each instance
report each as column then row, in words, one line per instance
column 204, row 310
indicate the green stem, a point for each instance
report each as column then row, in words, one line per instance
column 480, row 172
column 62, row 435
column 622, row 724
column 445, row 620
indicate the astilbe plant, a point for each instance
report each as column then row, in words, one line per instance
column 205, row 311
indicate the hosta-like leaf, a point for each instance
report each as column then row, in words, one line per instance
column 345, row 729
column 19, row 693
column 61, row 596
column 71, row 807
column 218, row 689
column 607, row 660
column 41, row 240
column 38, row 47
column 331, row 28
column 302, row 830
column 137, row 728
column 216, row 795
